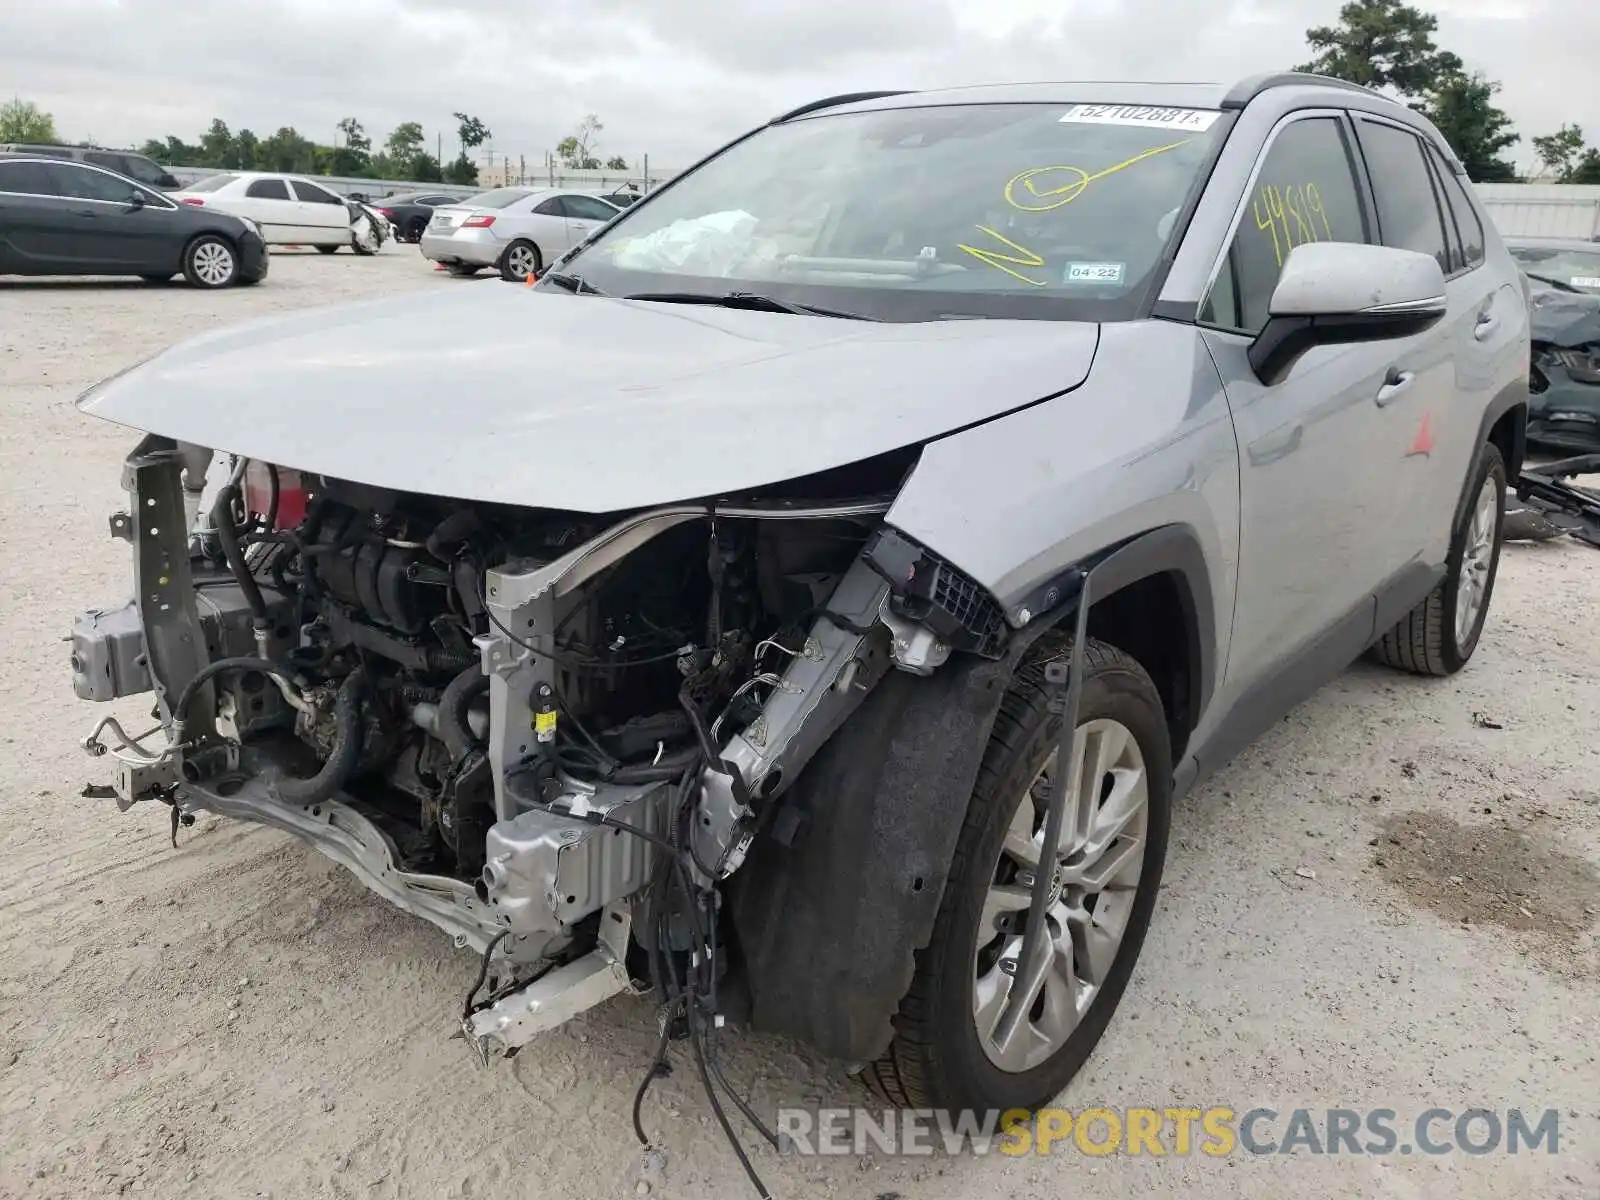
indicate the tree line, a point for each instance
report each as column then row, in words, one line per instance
column 1388, row 45
column 1383, row 44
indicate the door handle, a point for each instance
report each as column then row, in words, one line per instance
column 84, row 212
column 1395, row 385
column 1487, row 324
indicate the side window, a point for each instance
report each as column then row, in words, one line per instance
column 587, row 208
column 550, row 208
column 81, row 183
column 100, row 158
column 267, row 189
column 1304, row 192
column 1408, row 211
column 28, row 179
column 1461, row 209
column 312, row 194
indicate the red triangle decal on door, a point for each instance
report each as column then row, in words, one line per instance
column 1424, row 439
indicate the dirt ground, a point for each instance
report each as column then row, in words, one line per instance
column 1390, row 901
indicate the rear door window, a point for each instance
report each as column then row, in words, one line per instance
column 1408, row 210
column 1462, row 212
column 1305, row 192
column 550, row 208
column 267, row 189
column 29, row 179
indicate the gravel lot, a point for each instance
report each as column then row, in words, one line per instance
column 1388, row 902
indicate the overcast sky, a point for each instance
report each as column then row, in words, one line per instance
column 675, row 78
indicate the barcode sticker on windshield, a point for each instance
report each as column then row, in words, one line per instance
column 1092, row 273
column 1145, row 115
column 1586, row 281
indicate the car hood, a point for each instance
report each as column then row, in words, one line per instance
column 1566, row 319
column 584, row 403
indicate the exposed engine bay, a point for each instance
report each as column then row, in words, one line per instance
column 551, row 734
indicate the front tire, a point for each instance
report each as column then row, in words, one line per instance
column 962, row 1040
column 327, row 249
column 521, row 259
column 211, row 262
column 1438, row 636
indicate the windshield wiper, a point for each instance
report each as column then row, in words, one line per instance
column 1559, row 284
column 750, row 300
column 575, row 284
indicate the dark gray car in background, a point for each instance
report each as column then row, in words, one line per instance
column 1564, row 311
column 827, row 577
column 59, row 217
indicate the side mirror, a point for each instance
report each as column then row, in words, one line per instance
column 135, row 200
column 1333, row 293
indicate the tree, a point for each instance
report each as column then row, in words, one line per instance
column 463, row 170
column 24, row 121
column 355, row 156
column 425, row 169
column 1560, row 151
column 216, row 146
column 576, row 150
column 1587, row 169
column 246, row 147
column 289, row 152
column 472, row 132
column 616, row 163
column 403, row 147
column 1381, row 43
column 1462, row 108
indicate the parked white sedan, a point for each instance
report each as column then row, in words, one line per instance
column 515, row 229
column 291, row 210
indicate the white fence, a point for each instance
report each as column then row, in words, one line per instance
column 1566, row 210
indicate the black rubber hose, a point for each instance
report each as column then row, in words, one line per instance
column 228, row 536
column 671, row 766
column 341, row 761
column 454, row 731
column 180, row 709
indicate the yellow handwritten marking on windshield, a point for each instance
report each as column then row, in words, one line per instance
column 1290, row 215
column 1037, row 198
column 997, row 260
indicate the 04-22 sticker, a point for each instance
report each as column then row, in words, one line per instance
column 1091, row 272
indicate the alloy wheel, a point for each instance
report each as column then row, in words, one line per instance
column 213, row 263
column 520, row 261
column 1024, row 1013
column 1477, row 556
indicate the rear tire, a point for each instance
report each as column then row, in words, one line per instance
column 210, row 261
column 414, row 228
column 940, row 1057
column 521, row 259
column 1438, row 636
column 327, row 249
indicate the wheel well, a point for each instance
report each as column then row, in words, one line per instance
column 1509, row 435
column 1152, row 619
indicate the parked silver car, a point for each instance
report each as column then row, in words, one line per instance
column 513, row 229
column 830, row 573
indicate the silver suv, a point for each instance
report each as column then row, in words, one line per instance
column 820, row 585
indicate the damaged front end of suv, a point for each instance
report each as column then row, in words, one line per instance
column 526, row 726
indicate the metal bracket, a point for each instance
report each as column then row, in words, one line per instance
column 1065, row 680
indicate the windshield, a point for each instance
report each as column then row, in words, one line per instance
column 1576, row 268
column 1014, row 210
column 498, row 198
column 211, row 183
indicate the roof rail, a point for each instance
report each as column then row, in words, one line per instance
column 834, row 102
column 1248, row 89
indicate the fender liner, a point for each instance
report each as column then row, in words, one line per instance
column 829, row 924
